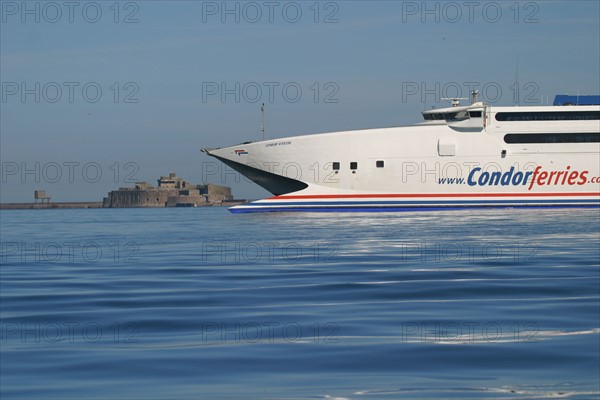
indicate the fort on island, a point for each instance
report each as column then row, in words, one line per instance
column 172, row 191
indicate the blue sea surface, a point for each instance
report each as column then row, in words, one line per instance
column 191, row 303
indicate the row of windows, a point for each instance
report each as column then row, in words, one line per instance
column 434, row 117
column 354, row 165
column 552, row 138
column 452, row 115
column 519, row 116
column 548, row 116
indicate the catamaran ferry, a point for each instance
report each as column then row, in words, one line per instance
column 461, row 156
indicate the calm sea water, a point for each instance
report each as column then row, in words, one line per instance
column 200, row 303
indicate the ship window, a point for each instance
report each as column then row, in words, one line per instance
column 457, row 116
column 552, row 137
column 548, row 116
column 475, row 114
column 353, row 165
column 336, row 166
column 433, row 117
column 379, row 164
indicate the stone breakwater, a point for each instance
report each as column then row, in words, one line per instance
column 29, row 206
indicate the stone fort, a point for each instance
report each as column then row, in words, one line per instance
column 172, row 191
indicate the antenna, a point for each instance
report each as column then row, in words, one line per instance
column 474, row 94
column 262, row 127
column 455, row 101
column 517, row 96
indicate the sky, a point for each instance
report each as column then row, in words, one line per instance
column 99, row 95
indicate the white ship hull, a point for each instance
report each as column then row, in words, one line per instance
column 472, row 162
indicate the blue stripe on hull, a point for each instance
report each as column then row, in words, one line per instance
column 384, row 203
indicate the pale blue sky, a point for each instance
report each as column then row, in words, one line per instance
column 373, row 52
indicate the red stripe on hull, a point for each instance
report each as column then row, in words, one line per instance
column 428, row 195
